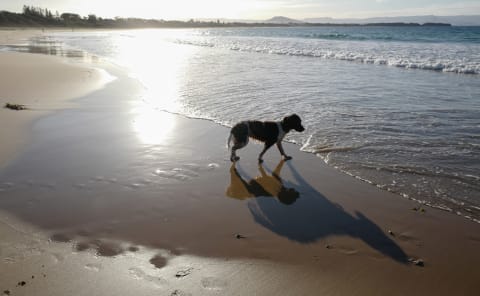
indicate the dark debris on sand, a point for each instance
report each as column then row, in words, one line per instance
column 417, row 262
column 183, row 273
column 16, row 107
column 419, row 209
column 179, row 293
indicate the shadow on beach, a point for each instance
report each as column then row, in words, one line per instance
column 302, row 214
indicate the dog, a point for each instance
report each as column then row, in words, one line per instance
column 268, row 132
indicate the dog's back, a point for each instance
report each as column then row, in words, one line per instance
column 264, row 131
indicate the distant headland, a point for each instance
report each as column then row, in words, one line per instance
column 39, row 17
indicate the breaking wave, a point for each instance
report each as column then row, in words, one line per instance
column 452, row 58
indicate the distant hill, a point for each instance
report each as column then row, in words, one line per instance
column 282, row 20
column 457, row 20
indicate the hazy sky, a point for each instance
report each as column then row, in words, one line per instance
column 250, row 9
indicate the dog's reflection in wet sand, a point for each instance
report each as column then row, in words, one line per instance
column 262, row 185
column 309, row 219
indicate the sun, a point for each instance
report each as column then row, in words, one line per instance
column 168, row 10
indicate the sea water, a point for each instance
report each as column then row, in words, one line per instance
column 398, row 107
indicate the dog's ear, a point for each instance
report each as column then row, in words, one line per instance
column 290, row 118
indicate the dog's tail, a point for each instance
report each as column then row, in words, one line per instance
column 229, row 140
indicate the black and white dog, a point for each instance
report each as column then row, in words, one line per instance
column 268, row 132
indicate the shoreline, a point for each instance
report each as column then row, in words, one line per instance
column 108, row 199
column 420, row 203
column 42, row 83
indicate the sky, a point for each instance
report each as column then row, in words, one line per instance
column 250, row 9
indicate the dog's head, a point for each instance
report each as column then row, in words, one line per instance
column 293, row 122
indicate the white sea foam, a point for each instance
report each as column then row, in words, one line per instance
column 455, row 58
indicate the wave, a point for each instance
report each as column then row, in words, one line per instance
column 328, row 149
column 340, row 36
column 452, row 59
column 359, row 33
column 333, row 36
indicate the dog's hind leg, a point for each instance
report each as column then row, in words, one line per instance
column 239, row 134
column 233, row 156
column 235, row 147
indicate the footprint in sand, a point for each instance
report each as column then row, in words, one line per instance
column 213, row 283
column 102, row 248
column 158, row 261
column 186, row 172
column 213, row 166
column 62, row 237
column 177, row 174
column 7, row 185
column 133, row 249
column 139, row 274
column 341, row 249
column 408, row 238
column 347, row 250
column 80, row 186
column 57, row 257
column 93, row 267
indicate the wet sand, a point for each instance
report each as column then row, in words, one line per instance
column 41, row 83
column 123, row 199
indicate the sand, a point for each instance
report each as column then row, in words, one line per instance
column 41, row 83
column 125, row 200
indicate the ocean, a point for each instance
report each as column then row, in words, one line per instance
column 397, row 107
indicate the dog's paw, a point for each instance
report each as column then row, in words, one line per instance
column 286, row 157
column 236, row 158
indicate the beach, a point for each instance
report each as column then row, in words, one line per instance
column 100, row 194
column 43, row 83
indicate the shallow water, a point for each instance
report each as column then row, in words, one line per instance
column 371, row 103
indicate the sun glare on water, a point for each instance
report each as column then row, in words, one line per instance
column 161, row 67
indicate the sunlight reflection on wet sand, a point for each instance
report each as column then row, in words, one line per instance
column 160, row 77
column 152, row 126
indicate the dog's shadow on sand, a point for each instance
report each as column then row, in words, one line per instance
column 307, row 217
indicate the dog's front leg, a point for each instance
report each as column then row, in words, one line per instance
column 280, row 148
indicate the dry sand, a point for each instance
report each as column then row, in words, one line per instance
column 100, row 207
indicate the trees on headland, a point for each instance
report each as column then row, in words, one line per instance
column 33, row 11
column 32, row 16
